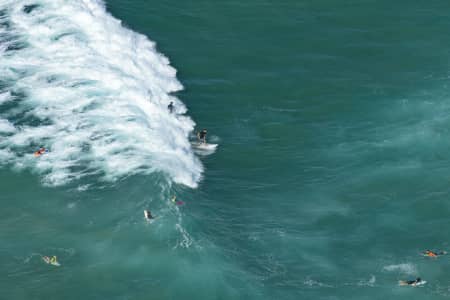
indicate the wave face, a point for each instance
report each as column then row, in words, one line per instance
column 74, row 80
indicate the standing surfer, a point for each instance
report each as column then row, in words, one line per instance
column 170, row 107
column 202, row 136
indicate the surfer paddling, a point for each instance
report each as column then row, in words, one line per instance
column 414, row 282
column 430, row 253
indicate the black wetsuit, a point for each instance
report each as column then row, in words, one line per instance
column 414, row 281
column 202, row 136
column 170, row 107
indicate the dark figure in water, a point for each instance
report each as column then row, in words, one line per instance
column 410, row 282
column 170, row 107
column 417, row 280
column 202, row 136
column 148, row 215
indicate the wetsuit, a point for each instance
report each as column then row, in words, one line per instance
column 170, row 107
column 202, row 136
column 410, row 282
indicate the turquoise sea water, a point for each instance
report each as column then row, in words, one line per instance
column 331, row 174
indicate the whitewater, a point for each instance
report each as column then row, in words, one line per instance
column 77, row 82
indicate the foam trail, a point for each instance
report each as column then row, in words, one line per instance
column 74, row 80
column 406, row 268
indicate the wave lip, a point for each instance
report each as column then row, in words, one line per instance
column 93, row 92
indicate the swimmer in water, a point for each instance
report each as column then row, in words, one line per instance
column 148, row 214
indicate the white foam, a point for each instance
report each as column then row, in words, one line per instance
column 6, row 126
column 5, row 97
column 102, row 91
column 406, row 268
column 370, row 282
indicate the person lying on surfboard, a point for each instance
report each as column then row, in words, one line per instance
column 415, row 282
column 430, row 253
column 202, row 136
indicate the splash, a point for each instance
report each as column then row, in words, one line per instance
column 95, row 93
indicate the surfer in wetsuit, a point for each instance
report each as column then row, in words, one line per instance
column 170, row 107
column 414, row 282
column 148, row 214
column 202, row 136
column 410, row 282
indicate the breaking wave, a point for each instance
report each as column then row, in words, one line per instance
column 75, row 81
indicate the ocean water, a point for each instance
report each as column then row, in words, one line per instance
column 331, row 174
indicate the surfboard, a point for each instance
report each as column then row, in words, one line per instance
column 420, row 283
column 204, row 146
column 48, row 261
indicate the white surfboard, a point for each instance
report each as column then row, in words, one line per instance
column 204, row 148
